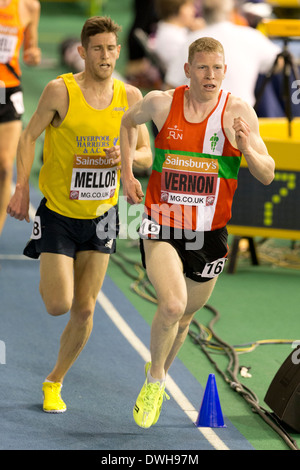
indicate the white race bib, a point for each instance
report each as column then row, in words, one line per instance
column 17, row 101
column 8, row 45
column 149, row 227
column 36, row 229
column 214, row 268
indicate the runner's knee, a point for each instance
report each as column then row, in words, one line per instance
column 56, row 306
column 6, row 168
column 83, row 315
column 172, row 310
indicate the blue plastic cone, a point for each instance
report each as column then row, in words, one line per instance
column 210, row 414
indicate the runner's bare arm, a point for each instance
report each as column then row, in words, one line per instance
column 49, row 105
column 154, row 106
column 31, row 51
column 142, row 157
column 248, row 140
column 132, row 119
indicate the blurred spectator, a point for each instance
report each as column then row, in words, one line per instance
column 70, row 56
column 19, row 21
column 248, row 52
column 176, row 19
column 254, row 12
column 145, row 18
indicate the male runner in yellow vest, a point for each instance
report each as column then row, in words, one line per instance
column 77, row 222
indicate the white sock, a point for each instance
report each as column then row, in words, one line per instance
column 50, row 381
column 150, row 379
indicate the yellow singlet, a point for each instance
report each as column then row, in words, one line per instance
column 77, row 178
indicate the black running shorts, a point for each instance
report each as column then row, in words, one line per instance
column 55, row 233
column 203, row 254
column 11, row 104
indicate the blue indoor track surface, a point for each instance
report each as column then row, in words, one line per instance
column 101, row 387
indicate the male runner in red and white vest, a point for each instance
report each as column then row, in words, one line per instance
column 202, row 133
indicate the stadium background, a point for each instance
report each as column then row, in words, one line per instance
column 258, row 303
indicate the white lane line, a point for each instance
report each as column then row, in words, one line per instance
column 144, row 352
column 14, row 257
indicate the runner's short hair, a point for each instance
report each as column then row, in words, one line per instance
column 97, row 25
column 205, row 44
